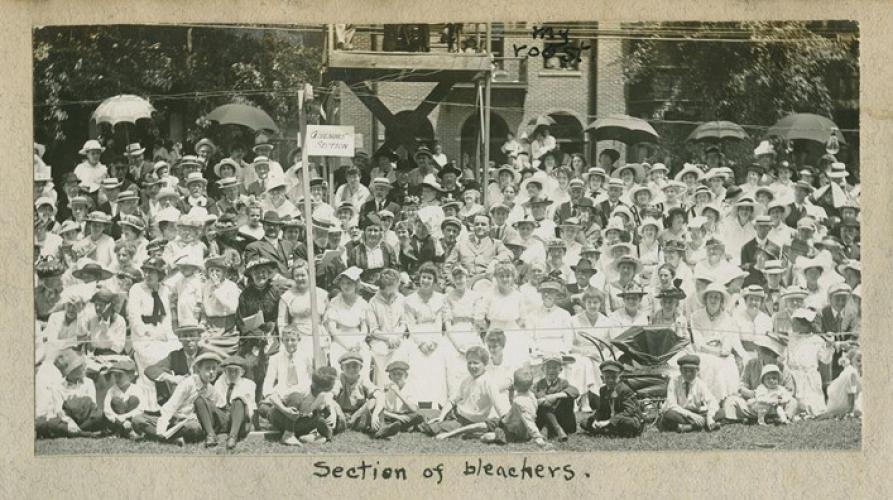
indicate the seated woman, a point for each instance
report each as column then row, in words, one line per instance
column 502, row 309
column 347, row 319
column 295, row 313
column 717, row 342
column 428, row 348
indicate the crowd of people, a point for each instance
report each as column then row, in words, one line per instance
column 173, row 293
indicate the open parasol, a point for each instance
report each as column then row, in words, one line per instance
column 123, row 108
column 243, row 114
column 804, row 126
column 540, row 121
column 716, row 131
column 624, row 128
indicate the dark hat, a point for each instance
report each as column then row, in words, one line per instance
column 92, row 271
column 48, row 267
column 103, row 296
column 398, row 365
column 451, row 221
column 156, row 244
column 756, row 167
column 733, row 192
column 674, row 246
column 672, row 293
column 583, row 265
column 350, row 357
column 386, row 153
column 235, row 361
column 772, row 250
column 613, row 153
column 271, row 217
column 584, row 202
column 124, row 366
column 610, row 366
column 712, row 149
column 318, row 181
column 257, row 262
column 689, row 360
column 449, row 200
column 449, row 169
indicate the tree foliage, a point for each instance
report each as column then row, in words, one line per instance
column 781, row 68
column 179, row 69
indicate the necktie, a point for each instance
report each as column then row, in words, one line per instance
column 157, row 306
column 292, row 372
column 229, row 393
column 687, row 389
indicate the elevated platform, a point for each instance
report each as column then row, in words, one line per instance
column 359, row 66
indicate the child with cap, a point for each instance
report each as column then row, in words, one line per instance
column 616, row 411
column 177, row 420
column 74, row 412
column 736, row 407
column 556, row 397
column 124, row 400
column 689, row 405
column 771, row 398
column 519, row 424
column 231, row 408
column 398, row 410
column 357, row 396
column 308, row 417
column 478, row 396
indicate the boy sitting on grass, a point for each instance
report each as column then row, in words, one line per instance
column 397, row 412
column 689, row 405
column 307, row 417
column 73, row 410
column 477, row 397
column 177, row 421
column 232, row 407
column 357, row 396
column 555, row 398
column 124, row 400
column 519, row 424
column 772, row 399
column 617, row 411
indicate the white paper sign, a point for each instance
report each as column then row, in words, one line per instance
column 330, row 140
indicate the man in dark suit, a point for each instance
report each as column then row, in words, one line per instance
column 839, row 321
column 762, row 226
column 270, row 246
column 177, row 365
column 797, row 209
column 615, row 191
column 570, row 208
column 381, row 190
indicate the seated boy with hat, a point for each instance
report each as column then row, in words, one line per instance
column 556, row 397
column 397, row 412
column 73, row 411
column 617, row 411
column 357, row 396
column 124, row 400
column 178, row 421
column 308, row 417
column 689, row 405
column 232, row 406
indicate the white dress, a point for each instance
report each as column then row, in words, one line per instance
column 294, row 313
column 459, row 314
column 427, row 371
column 847, row 383
column 505, row 312
column 802, row 358
column 349, row 321
column 713, row 337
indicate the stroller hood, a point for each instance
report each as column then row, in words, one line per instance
column 650, row 345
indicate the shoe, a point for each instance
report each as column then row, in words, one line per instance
column 288, row 439
column 309, row 437
column 230, row 443
column 682, row 428
column 488, row 437
column 211, row 441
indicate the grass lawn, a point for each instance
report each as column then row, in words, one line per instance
column 807, row 435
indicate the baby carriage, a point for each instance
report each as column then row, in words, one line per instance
column 644, row 351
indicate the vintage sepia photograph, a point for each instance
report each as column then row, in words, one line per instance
column 457, row 238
